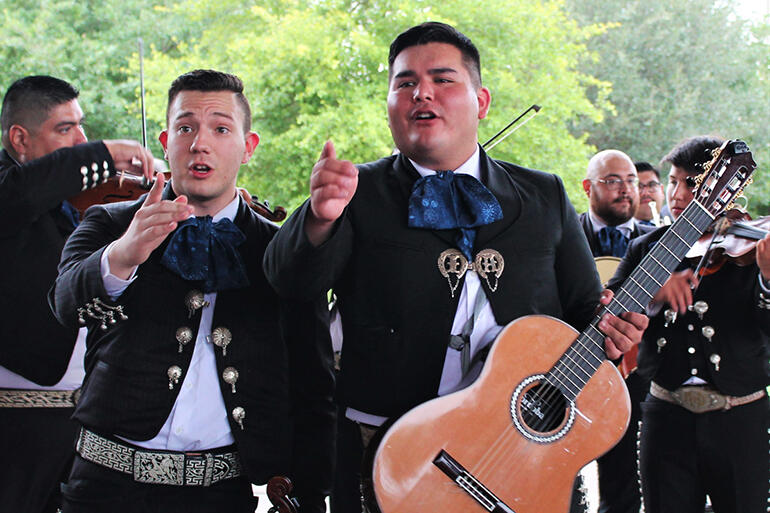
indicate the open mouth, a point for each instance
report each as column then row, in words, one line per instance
column 200, row 169
column 421, row 116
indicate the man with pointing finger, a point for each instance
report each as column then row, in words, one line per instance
column 413, row 330
column 199, row 380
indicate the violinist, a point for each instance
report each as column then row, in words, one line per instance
column 374, row 233
column 705, row 420
column 194, row 367
column 45, row 160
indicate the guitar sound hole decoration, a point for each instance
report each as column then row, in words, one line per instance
column 540, row 411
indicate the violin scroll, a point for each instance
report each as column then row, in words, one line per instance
column 278, row 490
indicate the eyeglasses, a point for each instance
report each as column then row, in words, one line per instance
column 649, row 185
column 615, row 184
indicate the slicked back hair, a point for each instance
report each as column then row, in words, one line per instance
column 692, row 153
column 435, row 32
column 29, row 100
column 209, row 80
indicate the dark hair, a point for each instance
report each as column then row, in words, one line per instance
column 692, row 153
column 435, row 32
column 29, row 101
column 646, row 166
column 209, row 80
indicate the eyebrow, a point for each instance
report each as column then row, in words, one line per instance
column 189, row 114
column 63, row 124
column 432, row 71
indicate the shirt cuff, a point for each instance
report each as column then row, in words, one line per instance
column 112, row 284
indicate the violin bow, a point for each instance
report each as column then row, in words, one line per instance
column 145, row 182
column 505, row 132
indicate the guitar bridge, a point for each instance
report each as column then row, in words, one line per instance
column 472, row 486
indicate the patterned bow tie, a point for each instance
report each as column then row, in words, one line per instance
column 202, row 250
column 453, row 201
column 612, row 242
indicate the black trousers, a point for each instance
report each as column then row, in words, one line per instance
column 36, row 449
column 346, row 494
column 92, row 488
column 618, row 470
column 684, row 456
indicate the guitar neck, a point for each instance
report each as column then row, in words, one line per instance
column 586, row 354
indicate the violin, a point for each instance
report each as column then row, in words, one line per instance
column 732, row 237
column 131, row 187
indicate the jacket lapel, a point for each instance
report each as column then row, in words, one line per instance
column 503, row 186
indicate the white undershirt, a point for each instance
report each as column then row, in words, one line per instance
column 198, row 419
column 485, row 327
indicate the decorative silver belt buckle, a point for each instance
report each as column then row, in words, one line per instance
column 159, row 468
column 699, row 400
column 199, row 469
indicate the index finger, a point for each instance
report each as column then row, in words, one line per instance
column 156, row 192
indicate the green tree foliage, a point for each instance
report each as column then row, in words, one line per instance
column 317, row 70
column 90, row 43
column 679, row 69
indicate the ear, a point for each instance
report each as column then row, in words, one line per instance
column 163, row 138
column 252, row 140
column 485, row 100
column 587, row 187
column 18, row 138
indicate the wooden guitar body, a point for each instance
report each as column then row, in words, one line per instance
column 487, row 429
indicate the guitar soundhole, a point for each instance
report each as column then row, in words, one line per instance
column 543, row 408
column 540, row 411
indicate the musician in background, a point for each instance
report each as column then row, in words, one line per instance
column 373, row 234
column 650, row 190
column 45, row 160
column 199, row 381
column 611, row 186
column 705, row 421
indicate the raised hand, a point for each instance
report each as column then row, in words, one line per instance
column 131, row 156
column 332, row 185
column 150, row 226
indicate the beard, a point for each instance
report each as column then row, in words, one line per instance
column 617, row 212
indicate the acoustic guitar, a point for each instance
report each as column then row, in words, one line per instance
column 547, row 401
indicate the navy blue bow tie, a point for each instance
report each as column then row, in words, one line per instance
column 447, row 201
column 202, row 250
column 612, row 242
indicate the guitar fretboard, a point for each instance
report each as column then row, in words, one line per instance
column 586, row 354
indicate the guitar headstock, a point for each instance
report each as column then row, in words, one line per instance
column 724, row 177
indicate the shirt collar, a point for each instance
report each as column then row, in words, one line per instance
column 229, row 211
column 469, row 167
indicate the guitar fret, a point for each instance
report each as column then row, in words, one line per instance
column 641, row 268
column 678, row 237
column 639, row 285
column 635, row 301
column 652, row 257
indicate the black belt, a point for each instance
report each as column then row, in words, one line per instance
column 159, row 467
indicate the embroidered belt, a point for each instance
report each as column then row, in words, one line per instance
column 39, row 398
column 700, row 399
column 159, row 467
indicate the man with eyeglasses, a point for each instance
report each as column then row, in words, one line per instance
column 650, row 190
column 612, row 187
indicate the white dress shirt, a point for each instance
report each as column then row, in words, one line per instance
column 485, row 327
column 198, row 419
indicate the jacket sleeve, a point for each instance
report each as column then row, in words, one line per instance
column 29, row 190
column 80, row 281
column 298, row 270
